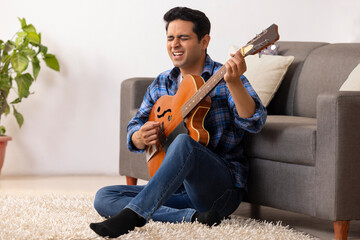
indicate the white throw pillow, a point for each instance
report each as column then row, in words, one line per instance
column 266, row 73
column 352, row 83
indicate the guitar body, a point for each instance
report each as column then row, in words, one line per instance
column 167, row 111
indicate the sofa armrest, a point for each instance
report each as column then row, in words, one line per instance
column 337, row 175
column 132, row 93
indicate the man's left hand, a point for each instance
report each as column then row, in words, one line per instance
column 235, row 67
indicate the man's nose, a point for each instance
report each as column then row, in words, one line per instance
column 175, row 42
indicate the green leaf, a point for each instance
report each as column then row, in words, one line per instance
column 28, row 52
column 7, row 109
column 22, row 34
column 3, row 102
column 43, row 50
column 24, row 82
column 5, row 83
column 34, row 38
column 19, row 62
column 6, row 58
column 52, row 62
column 20, row 39
column 19, row 117
column 5, row 68
column 9, row 45
column 35, row 66
column 29, row 28
column 2, row 130
column 18, row 100
column 23, row 22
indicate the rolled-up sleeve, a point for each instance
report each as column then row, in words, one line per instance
column 255, row 123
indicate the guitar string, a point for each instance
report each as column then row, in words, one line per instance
column 198, row 97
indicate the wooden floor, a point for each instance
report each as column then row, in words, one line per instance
column 90, row 184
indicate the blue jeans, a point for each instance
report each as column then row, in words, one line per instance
column 191, row 178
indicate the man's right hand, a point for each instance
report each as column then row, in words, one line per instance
column 148, row 134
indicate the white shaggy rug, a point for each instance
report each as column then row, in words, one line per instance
column 30, row 215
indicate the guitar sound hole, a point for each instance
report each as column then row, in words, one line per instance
column 163, row 114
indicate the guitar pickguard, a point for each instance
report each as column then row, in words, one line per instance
column 181, row 128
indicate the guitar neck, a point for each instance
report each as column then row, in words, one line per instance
column 209, row 85
column 203, row 91
column 264, row 39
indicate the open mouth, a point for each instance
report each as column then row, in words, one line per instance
column 178, row 54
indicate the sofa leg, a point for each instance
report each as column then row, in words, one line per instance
column 341, row 229
column 254, row 211
column 131, row 180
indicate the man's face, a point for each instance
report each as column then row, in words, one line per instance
column 183, row 46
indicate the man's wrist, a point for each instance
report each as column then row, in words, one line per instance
column 137, row 141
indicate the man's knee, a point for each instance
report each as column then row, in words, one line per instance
column 183, row 139
column 183, row 146
column 100, row 201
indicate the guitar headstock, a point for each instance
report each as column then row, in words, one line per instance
column 261, row 41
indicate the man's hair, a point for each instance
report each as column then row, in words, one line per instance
column 200, row 20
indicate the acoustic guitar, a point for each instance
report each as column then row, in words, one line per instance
column 185, row 112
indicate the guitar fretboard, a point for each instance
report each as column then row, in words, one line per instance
column 203, row 91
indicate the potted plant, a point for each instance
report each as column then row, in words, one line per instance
column 15, row 58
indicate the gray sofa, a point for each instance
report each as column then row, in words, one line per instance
column 307, row 157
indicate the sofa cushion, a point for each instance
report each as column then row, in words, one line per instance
column 352, row 83
column 287, row 139
column 265, row 74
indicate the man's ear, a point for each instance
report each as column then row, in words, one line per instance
column 205, row 41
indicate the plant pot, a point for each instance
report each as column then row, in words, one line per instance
column 3, row 143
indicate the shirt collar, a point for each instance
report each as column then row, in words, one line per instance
column 208, row 69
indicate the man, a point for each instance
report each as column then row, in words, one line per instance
column 194, row 182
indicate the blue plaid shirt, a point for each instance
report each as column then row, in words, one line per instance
column 225, row 126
